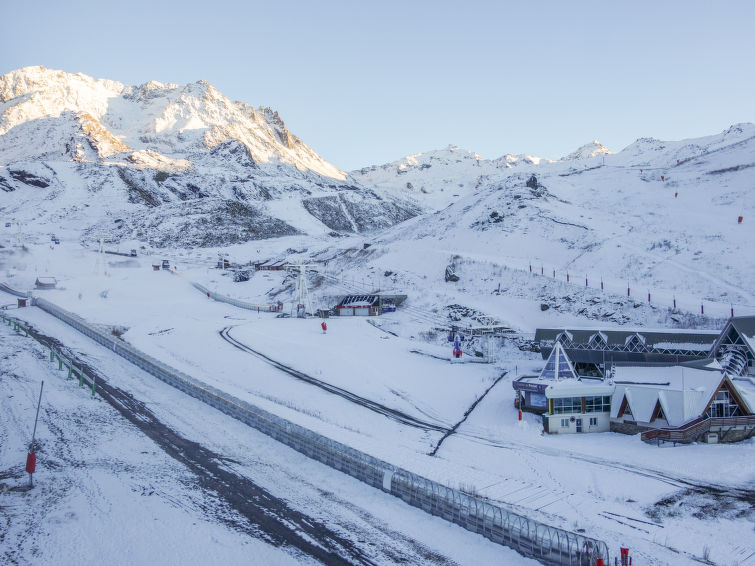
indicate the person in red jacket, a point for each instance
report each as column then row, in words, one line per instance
column 324, row 327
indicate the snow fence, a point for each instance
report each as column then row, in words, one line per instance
column 231, row 301
column 549, row 545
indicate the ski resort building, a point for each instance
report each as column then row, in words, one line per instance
column 367, row 305
column 568, row 402
column 686, row 402
column 592, row 350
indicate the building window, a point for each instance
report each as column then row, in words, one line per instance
column 723, row 405
column 598, row 404
column 564, row 423
column 565, row 405
column 593, row 421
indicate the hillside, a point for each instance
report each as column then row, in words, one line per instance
column 658, row 217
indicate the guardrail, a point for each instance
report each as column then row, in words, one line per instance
column 63, row 361
column 235, row 302
column 694, row 429
column 549, row 545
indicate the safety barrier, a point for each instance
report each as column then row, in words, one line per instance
column 235, row 302
column 549, row 545
column 63, row 361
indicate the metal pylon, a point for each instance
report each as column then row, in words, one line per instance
column 302, row 303
column 99, row 266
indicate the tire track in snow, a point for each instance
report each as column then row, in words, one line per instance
column 393, row 414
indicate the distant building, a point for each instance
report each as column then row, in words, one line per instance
column 367, row 304
column 45, row 283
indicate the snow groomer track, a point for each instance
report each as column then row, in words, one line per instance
column 549, row 545
column 392, row 414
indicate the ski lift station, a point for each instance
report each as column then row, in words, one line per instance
column 670, row 387
column 367, row 305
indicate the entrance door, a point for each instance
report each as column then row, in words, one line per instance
column 579, row 425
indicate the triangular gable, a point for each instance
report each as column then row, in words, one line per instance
column 734, row 395
column 559, row 365
column 731, row 335
column 657, row 412
column 624, row 408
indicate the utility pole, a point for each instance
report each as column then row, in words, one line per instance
column 31, row 457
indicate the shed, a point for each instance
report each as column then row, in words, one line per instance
column 45, row 283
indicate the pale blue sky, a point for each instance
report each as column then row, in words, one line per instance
column 366, row 83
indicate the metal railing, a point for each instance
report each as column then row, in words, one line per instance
column 694, row 429
column 235, row 302
column 549, row 545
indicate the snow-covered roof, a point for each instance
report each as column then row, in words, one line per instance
column 578, row 388
column 683, row 392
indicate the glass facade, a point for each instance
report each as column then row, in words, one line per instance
column 567, row 405
column 597, row 404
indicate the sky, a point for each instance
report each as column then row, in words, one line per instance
column 367, row 83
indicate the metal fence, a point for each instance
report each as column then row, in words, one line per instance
column 235, row 302
column 549, row 545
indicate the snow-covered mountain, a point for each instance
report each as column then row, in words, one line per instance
column 436, row 178
column 587, row 151
column 93, row 149
column 659, row 217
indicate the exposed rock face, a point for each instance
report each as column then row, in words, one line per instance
column 165, row 146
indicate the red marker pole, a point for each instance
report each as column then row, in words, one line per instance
column 31, row 457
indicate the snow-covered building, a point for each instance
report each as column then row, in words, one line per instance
column 679, row 403
column 570, row 403
column 367, row 304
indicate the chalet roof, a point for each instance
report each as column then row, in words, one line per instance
column 683, row 392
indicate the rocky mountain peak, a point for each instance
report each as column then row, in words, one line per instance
column 592, row 149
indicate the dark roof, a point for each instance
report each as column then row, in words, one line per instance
column 619, row 337
column 744, row 324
